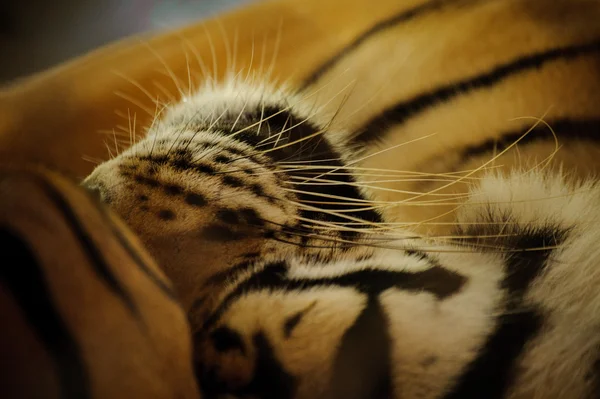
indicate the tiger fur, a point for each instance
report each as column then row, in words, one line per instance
column 85, row 311
column 417, row 220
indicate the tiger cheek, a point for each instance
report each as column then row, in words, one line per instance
column 194, row 265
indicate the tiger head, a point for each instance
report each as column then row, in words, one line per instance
column 228, row 176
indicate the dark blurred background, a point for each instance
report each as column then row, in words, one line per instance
column 36, row 34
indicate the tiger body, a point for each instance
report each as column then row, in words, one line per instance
column 85, row 311
column 418, row 219
column 445, row 87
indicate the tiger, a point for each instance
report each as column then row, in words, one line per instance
column 86, row 313
column 417, row 218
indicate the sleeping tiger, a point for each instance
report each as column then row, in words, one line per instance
column 418, row 219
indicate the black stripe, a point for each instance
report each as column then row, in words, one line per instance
column 269, row 381
column 215, row 232
column 126, row 244
column 399, row 113
column 362, row 367
column 394, row 20
column 292, row 321
column 594, row 374
column 195, row 199
column 524, row 266
column 225, row 339
column 173, row 189
column 188, row 165
column 232, row 181
column 364, row 353
column 136, row 256
column 166, row 215
column 436, row 280
column 565, row 129
column 315, row 150
column 24, row 277
column 197, row 304
column 318, row 152
column 183, row 159
column 147, row 181
column 94, row 254
column 227, row 216
column 251, row 217
column 492, row 372
column 228, row 275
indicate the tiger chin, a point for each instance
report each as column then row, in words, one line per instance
column 293, row 291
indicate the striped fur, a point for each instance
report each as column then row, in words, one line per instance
column 514, row 315
column 347, row 239
column 85, row 312
column 460, row 81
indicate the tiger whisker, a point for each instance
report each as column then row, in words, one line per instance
column 199, row 60
column 262, row 55
column 310, row 181
column 333, row 196
column 213, row 123
column 361, row 168
column 134, row 127
column 276, row 48
column 474, row 247
column 191, row 86
column 170, row 97
column 93, row 160
column 329, row 182
column 236, row 33
column 135, row 83
column 380, row 152
column 157, row 115
column 494, row 158
column 250, row 64
column 263, row 119
column 228, row 55
column 111, row 132
column 239, row 115
column 130, row 130
column 133, row 101
column 110, row 154
column 166, row 67
column 213, row 53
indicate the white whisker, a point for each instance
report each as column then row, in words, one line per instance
column 133, row 101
